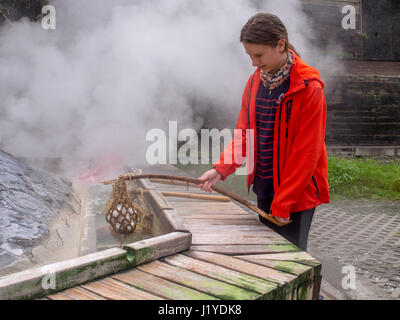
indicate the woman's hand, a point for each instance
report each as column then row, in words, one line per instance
column 209, row 178
column 279, row 219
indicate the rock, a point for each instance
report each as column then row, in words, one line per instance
column 6, row 258
column 396, row 293
column 29, row 199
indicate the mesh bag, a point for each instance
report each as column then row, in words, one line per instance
column 122, row 214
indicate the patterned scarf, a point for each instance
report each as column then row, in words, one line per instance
column 274, row 80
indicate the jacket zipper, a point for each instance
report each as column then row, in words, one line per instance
column 279, row 141
column 288, row 115
column 279, row 136
column 248, row 120
column 316, row 185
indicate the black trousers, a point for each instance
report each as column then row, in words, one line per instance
column 297, row 231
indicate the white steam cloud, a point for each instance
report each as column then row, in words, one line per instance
column 112, row 70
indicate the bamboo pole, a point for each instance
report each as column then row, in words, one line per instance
column 187, row 195
column 173, row 182
column 130, row 176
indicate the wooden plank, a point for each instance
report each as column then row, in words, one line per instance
column 210, row 199
column 158, row 247
column 286, row 266
column 217, row 222
column 243, row 249
column 198, row 282
column 68, row 273
column 61, row 296
column 216, row 205
column 233, row 230
column 115, row 290
column 211, row 211
column 164, row 288
column 288, row 256
column 236, row 239
column 265, row 288
column 225, row 232
column 251, row 269
column 218, row 216
column 227, row 229
column 76, row 293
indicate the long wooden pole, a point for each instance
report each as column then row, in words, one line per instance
column 188, row 195
column 131, row 176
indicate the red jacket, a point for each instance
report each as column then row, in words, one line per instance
column 300, row 166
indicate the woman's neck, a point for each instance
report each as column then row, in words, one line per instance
column 281, row 64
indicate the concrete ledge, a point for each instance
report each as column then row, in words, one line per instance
column 175, row 220
column 157, row 200
column 159, row 247
column 145, row 184
column 165, row 211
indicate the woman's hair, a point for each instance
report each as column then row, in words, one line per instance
column 265, row 28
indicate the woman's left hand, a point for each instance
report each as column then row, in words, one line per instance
column 281, row 220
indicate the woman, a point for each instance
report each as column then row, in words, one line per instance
column 284, row 104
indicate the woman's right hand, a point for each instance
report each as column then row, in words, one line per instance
column 209, row 178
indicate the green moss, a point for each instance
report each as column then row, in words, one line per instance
column 136, row 257
column 283, row 248
column 15, row 292
column 187, row 294
column 286, row 266
column 130, row 257
column 223, row 290
column 303, row 290
column 69, row 278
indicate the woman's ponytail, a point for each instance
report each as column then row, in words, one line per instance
column 291, row 47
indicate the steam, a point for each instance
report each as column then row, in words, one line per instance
column 112, row 70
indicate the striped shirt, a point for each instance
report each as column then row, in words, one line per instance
column 267, row 103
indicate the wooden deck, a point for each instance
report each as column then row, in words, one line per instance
column 232, row 256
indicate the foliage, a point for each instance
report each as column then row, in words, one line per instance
column 364, row 178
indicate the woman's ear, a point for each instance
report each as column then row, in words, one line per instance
column 282, row 45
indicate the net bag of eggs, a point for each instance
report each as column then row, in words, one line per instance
column 122, row 213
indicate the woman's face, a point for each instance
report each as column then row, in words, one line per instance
column 266, row 57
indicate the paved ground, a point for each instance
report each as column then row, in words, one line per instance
column 363, row 234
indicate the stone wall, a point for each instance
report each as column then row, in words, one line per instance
column 364, row 111
column 12, row 10
column 364, row 102
column 377, row 30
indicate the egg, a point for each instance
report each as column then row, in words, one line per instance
column 115, row 213
column 130, row 210
column 119, row 207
